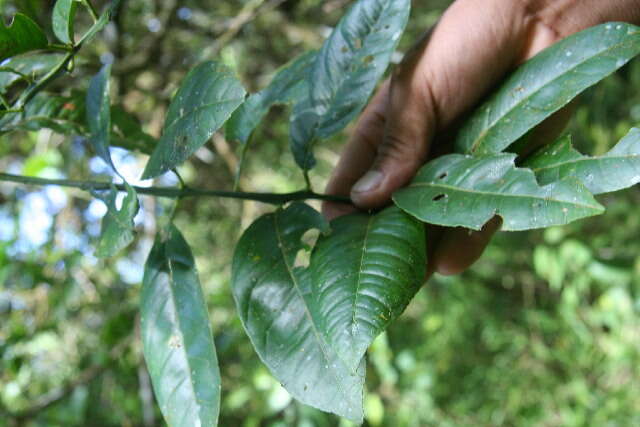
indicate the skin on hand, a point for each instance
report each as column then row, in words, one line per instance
column 473, row 47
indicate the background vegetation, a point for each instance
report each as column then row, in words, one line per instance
column 544, row 330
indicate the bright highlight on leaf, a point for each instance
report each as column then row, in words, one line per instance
column 22, row 35
column 546, row 83
column 616, row 170
column 364, row 274
column 274, row 301
column 205, row 100
column 26, row 67
column 176, row 337
column 457, row 190
column 346, row 71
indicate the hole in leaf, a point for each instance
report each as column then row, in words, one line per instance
column 308, row 241
column 357, row 43
column 302, row 258
column 442, row 175
column 439, row 197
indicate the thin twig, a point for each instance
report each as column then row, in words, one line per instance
column 174, row 193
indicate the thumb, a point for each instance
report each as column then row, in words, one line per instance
column 409, row 127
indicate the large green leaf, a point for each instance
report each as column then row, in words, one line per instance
column 613, row 171
column 64, row 13
column 364, row 275
column 273, row 301
column 346, row 70
column 117, row 225
column 205, row 100
column 176, row 336
column 545, row 84
column 288, row 85
column 98, row 106
column 21, row 36
column 458, row 190
column 28, row 65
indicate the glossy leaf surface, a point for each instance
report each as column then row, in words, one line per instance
column 29, row 65
column 365, row 273
column 346, row 70
column 613, row 171
column 207, row 97
column 545, row 84
column 117, row 225
column 288, row 85
column 457, row 190
column 64, row 13
column 22, row 35
column 176, row 336
column 98, row 107
column 63, row 114
column 273, row 301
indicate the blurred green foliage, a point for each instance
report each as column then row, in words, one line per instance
column 543, row 330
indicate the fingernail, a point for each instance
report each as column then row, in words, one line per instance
column 370, row 181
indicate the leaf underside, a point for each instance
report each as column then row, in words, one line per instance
column 546, row 83
column 458, row 190
column 346, row 70
column 177, row 340
column 616, row 170
column 206, row 98
column 273, row 300
column 364, row 274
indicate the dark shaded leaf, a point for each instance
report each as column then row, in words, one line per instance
column 288, row 85
column 616, row 170
column 365, row 273
column 176, row 335
column 457, row 190
column 127, row 131
column 205, row 100
column 64, row 13
column 546, row 83
column 23, row 35
column 98, row 106
column 273, row 301
column 28, row 65
column 117, row 225
column 346, row 70
column 62, row 114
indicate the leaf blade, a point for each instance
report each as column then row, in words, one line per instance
column 466, row 191
column 177, row 341
column 206, row 98
column 64, row 13
column 98, row 110
column 531, row 95
column 272, row 299
column 117, row 224
column 22, row 35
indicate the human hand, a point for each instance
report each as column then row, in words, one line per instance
column 471, row 49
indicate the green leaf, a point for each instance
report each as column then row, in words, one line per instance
column 273, row 301
column 545, row 84
column 205, row 100
column 458, row 190
column 287, row 86
column 176, row 335
column 616, row 170
column 346, row 70
column 23, row 35
column 62, row 114
column 64, row 13
column 98, row 106
column 365, row 273
column 28, row 65
column 117, row 225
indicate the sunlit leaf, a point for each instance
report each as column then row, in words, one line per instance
column 207, row 97
column 613, row 171
column 346, row 70
column 28, row 65
column 288, row 85
column 364, row 274
column 176, row 336
column 457, row 190
column 64, row 13
column 117, row 225
column 22, row 35
column 545, row 84
column 273, row 300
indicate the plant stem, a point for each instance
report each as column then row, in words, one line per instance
column 92, row 10
column 172, row 192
